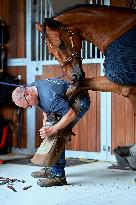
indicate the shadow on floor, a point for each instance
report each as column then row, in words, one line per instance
column 27, row 161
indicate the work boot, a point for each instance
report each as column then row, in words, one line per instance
column 52, row 181
column 43, row 173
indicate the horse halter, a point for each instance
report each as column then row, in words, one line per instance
column 74, row 53
column 70, row 34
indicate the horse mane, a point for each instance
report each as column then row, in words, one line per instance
column 78, row 6
column 56, row 24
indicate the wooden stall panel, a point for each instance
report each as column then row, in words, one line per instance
column 13, row 14
column 123, row 122
column 120, row 3
column 10, row 112
column 88, row 130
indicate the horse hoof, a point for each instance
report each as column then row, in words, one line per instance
column 75, row 78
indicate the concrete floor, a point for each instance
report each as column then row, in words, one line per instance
column 88, row 184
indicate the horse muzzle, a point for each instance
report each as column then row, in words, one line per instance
column 77, row 74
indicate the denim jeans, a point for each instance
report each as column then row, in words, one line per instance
column 59, row 168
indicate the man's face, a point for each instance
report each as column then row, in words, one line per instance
column 26, row 102
column 24, row 97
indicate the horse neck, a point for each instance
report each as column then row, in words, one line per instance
column 99, row 25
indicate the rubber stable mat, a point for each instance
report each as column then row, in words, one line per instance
column 69, row 161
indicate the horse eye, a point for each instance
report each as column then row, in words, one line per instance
column 62, row 45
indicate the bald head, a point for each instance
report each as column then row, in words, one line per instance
column 18, row 96
column 25, row 96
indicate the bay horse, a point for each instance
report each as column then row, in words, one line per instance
column 111, row 30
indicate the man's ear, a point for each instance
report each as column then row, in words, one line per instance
column 39, row 27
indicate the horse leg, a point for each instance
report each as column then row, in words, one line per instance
column 95, row 84
column 73, row 90
column 102, row 84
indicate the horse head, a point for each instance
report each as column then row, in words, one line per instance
column 65, row 44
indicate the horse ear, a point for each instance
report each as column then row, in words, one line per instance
column 39, row 27
column 50, row 22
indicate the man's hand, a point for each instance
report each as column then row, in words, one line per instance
column 65, row 120
column 47, row 131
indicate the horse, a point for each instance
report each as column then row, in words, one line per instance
column 111, row 30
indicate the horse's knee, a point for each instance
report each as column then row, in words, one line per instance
column 126, row 91
column 72, row 90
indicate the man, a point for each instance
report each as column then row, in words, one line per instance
column 50, row 96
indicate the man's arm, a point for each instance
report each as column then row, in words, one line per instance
column 65, row 120
column 44, row 118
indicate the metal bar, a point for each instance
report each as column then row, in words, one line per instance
column 101, row 54
column 96, row 1
column 30, row 74
column 37, row 33
column 50, row 14
column 102, row 2
column 85, row 50
column 45, row 47
column 23, row 61
column 91, row 51
column 43, row 16
column 95, row 53
column 107, row 2
column 49, row 3
column 40, row 40
column 28, row 30
column 82, row 50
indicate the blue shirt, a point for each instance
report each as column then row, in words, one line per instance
column 51, row 94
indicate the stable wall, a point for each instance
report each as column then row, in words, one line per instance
column 88, row 130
